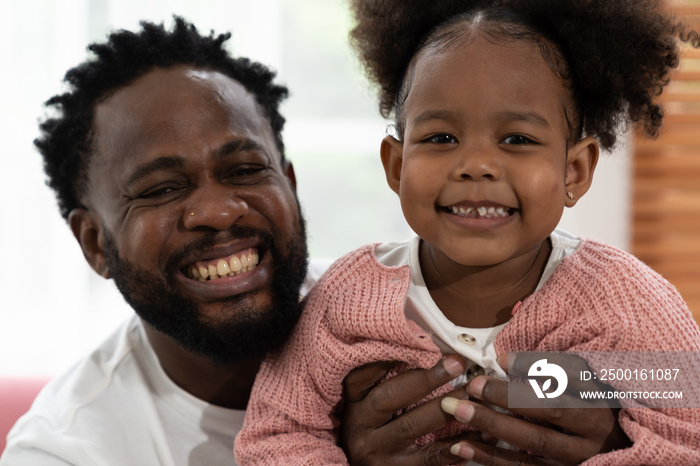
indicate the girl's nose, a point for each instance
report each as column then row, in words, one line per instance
column 476, row 164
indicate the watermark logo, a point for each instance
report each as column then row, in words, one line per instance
column 542, row 368
column 607, row 379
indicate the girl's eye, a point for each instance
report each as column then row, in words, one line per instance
column 442, row 139
column 517, row 140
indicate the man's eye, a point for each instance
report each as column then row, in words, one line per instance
column 157, row 192
column 442, row 139
column 247, row 171
column 517, row 139
column 245, row 174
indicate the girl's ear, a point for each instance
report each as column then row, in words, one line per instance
column 392, row 159
column 88, row 230
column 581, row 160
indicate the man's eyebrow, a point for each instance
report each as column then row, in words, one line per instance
column 239, row 145
column 152, row 166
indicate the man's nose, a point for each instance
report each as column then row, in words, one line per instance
column 215, row 207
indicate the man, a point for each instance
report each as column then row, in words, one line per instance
column 168, row 163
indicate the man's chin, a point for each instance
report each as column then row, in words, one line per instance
column 240, row 308
column 235, row 335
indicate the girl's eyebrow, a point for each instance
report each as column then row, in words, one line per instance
column 530, row 117
column 432, row 115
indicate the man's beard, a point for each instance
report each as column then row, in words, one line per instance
column 246, row 332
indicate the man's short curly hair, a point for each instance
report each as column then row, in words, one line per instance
column 614, row 56
column 66, row 139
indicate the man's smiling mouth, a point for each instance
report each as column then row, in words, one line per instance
column 229, row 266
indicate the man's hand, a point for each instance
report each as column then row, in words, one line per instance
column 371, row 434
column 569, row 436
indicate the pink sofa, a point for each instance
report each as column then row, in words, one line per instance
column 16, row 396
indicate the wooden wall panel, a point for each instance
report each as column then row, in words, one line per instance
column 666, row 181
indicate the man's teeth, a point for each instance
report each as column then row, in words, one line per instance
column 476, row 212
column 235, row 265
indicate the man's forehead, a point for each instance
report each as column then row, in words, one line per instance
column 179, row 112
column 166, row 105
column 164, row 90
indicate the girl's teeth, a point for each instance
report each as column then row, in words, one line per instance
column 486, row 212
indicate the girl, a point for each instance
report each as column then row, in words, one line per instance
column 500, row 109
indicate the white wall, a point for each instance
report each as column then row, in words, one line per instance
column 53, row 307
column 605, row 211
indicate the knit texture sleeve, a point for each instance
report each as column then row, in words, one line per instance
column 354, row 316
column 603, row 299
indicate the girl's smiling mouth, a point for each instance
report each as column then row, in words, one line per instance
column 481, row 211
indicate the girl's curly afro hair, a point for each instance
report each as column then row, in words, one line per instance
column 617, row 55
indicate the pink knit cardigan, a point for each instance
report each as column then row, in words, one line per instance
column 598, row 299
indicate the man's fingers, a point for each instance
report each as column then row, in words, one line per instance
column 419, row 421
column 521, row 434
column 571, row 414
column 440, row 452
column 488, row 455
column 412, row 386
column 361, row 380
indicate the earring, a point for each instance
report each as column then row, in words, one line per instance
column 570, row 195
column 192, row 213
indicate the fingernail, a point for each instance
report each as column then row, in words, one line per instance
column 462, row 411
column 462, row 450
column 476, row 386
column 452, row 366
column 449, row 404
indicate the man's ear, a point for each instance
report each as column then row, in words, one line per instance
column 88, row 230
column 581, row 160
column 392, row 158
column 288, row 170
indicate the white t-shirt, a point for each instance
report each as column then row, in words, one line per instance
column 118, row 407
